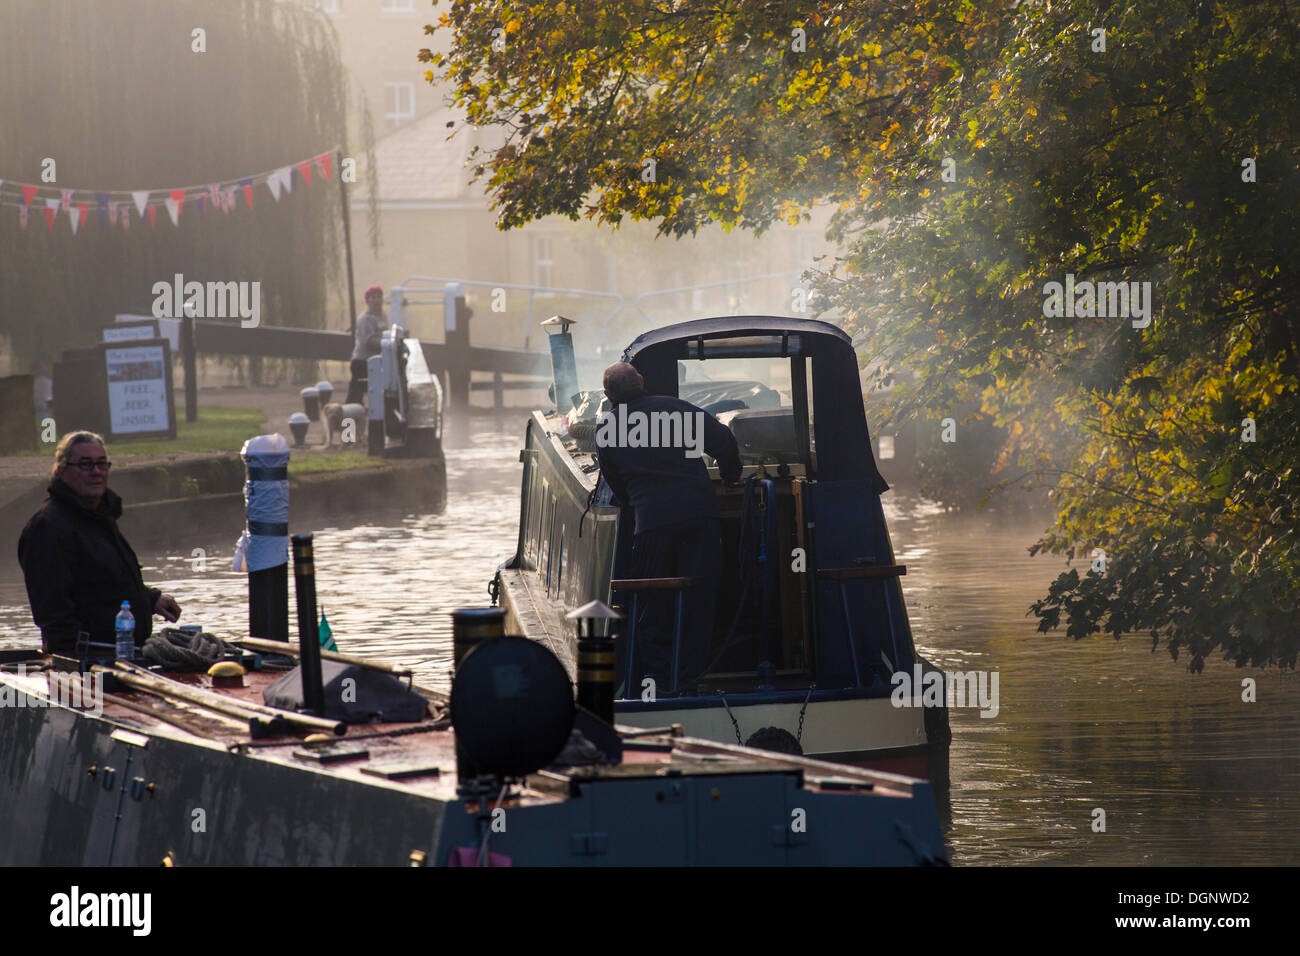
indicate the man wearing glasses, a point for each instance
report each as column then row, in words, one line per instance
column 78, row 567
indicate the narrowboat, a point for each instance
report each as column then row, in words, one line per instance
column 113, row 764
column 810, row 625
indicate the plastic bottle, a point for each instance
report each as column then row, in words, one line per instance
column 124, row 624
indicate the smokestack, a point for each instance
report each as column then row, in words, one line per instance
column 563, row 364
column 470, row 626
column 304, row 580
column 596, row 659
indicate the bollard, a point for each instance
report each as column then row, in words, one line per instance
column 262, row 550
column 311, row 403
column 456, row 316
column 298, row 425
column 324, row 392
column 375, row 396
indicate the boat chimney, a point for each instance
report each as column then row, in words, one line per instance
column 563, row 364
column 596, row 659
column 469, row 627
column 304, row 582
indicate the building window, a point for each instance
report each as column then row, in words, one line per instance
column 543, row 262
column 401, row 99
column 398, row 6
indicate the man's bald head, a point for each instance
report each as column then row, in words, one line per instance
column 622, row 381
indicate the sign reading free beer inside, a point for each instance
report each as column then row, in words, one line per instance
column 139, row 377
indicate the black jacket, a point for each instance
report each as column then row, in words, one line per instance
column 663, row 485
column 79, row 569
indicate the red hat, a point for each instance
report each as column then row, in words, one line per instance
column 374, row 288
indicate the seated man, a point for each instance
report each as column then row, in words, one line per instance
column 77, row 566
column 649, row 449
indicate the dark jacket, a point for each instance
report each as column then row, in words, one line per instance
column 79, row 569
column 663, row 485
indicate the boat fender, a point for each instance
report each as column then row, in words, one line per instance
column 226, row 674
column 776, row 739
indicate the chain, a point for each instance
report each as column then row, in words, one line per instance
column 494, row 588
column 803, row 710
column 732, row 716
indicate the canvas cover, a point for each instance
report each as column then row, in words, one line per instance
column 372, row 695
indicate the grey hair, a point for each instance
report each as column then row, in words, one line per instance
column 64, row 447
column 621, row 380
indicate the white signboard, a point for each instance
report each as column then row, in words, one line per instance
column 170, row 328
column 139, row 399
column 129, row 333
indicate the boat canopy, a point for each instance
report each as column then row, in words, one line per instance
column 843, row 442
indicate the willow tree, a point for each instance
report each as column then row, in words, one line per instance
column 976, row 154
column 126, row 96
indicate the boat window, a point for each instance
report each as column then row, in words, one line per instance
column 550, row 542
column 543, row 539
column 559, row 566
column 757, row 399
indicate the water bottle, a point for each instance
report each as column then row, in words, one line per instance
column 125, row 627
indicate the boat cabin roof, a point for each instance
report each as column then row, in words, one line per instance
column 843, row 442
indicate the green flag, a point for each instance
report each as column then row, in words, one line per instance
column 326, row 634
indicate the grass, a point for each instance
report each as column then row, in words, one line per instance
column 332, row 461
column 217, row 429
column 223, row 430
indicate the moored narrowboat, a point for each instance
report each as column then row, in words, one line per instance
column 810, row 625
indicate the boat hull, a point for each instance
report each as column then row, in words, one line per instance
column 80, row 789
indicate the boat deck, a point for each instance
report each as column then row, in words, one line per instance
column 421, row 758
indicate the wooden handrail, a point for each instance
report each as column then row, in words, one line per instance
column 654, row 584
column 873, row 571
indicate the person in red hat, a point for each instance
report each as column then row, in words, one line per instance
column 370, row 329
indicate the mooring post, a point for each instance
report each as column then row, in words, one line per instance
column 262, row 550
column 456, row 315
column 188, row 359
column 304, row 580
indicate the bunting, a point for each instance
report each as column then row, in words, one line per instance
column 112, row 206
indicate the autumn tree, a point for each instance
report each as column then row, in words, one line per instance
column 975, row 154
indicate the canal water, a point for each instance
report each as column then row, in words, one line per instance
column 1186, row 772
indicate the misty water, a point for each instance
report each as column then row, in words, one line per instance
column 1186, row 772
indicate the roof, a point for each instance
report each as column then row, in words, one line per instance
column 843, row 442
column 732, row 325
column 418, row 163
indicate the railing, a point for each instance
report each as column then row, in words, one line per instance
column 427, row 295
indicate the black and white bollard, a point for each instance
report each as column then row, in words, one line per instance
column 262, row 550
